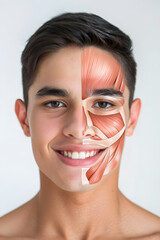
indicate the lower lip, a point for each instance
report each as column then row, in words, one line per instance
column 79, row 162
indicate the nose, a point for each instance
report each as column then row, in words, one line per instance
column 76, row 125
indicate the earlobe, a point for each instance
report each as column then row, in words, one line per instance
column 134, row 114
column 21, row 113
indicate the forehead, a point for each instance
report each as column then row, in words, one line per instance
column 84, row 69
column 98, row 64
column 100, row 70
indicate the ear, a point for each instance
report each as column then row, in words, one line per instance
column 133, row 118
column 21, row 113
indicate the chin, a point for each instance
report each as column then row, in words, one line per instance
column 70, row 185
column 73, row 187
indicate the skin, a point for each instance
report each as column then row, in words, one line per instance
column 62, row 209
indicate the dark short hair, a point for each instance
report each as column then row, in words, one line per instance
column 80, row 29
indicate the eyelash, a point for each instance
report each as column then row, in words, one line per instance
column 53, row 102
column 107, row 103
column 64, row 105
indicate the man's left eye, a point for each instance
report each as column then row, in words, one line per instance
column 103, row 105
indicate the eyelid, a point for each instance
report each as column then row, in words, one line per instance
column 101, row 101
column 51, row 101
column 106, row 111
column 116, row 105
column 106, row 101
column 116, row 101
column 106, row 108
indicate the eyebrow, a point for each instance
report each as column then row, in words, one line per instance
column 49, row 91
column 106, row 92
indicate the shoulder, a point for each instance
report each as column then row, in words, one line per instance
column 139, row 221
column 15, row 222
column 152, row 236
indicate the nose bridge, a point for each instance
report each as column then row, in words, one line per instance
column 79, row 119
column 76, row 122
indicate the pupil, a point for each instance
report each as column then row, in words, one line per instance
column 56, row 104
column 103, row 104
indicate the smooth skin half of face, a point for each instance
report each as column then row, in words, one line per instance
column 66, row 112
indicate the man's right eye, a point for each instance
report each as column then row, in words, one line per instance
column 55, row 104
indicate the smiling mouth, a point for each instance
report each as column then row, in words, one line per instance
column 80, row 154
column 83, row 158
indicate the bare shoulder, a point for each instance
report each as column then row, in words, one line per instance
column 136, row 219
column 15, row 223
column 152, row 236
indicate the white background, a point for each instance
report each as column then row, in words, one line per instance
column 140, row 166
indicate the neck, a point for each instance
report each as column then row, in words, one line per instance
column 64, row 214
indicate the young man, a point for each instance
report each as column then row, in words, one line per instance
column 78, row 82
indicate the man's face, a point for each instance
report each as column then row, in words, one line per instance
column 77, row 115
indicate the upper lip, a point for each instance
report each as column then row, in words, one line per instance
column 79, row 148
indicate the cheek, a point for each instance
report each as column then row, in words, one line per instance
column 44, row 127
column 110, row 125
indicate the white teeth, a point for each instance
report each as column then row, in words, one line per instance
column 74, row 155
column 82, row 155
column 69, row 154
column 79, row 155
column 65, row 153
column 91, row 154
column 87, row 154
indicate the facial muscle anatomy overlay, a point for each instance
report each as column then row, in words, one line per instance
column 101, row 71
